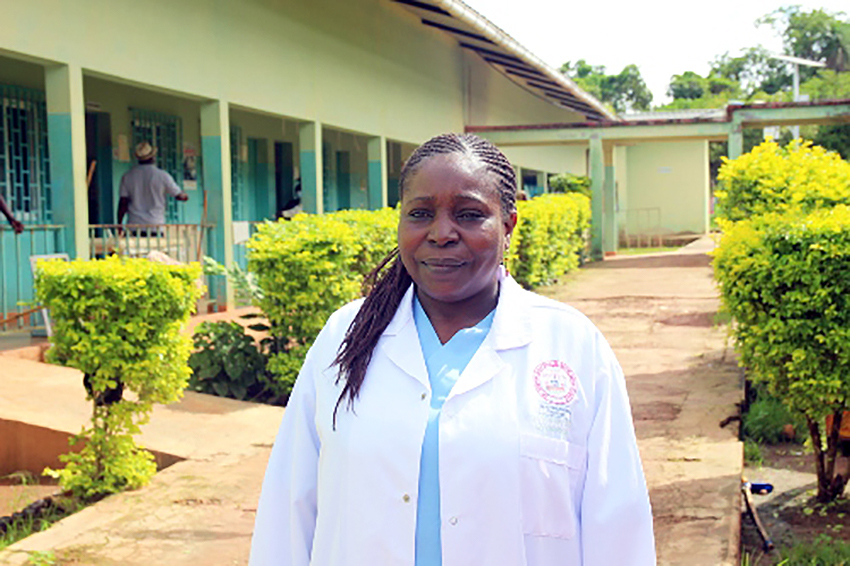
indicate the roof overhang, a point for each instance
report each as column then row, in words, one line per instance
column 734, row 119
column 478, row 35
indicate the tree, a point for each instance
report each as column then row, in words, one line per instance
column 754, row 70
column 624, row 91
column 688, row 85
column 817, row 35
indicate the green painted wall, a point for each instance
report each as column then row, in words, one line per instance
column 21, row 73
column 621, row 179
column 494, row 100
column 358, row 65
column 552, row 158
column 672, row 177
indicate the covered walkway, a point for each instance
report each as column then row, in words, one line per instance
column 642, row 165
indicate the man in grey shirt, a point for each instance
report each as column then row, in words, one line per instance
column 144, row 190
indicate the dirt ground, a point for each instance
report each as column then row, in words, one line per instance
column 658, row 312
column 790, row 469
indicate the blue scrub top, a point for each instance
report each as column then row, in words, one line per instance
column 445, row 363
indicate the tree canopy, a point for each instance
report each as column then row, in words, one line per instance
column 755, row 74
column 623, row 91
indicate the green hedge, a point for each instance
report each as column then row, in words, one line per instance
column 308, row 268
column 549, row 238
column 119, row 322
column 311, row 266
column 785, row 279
column 771, row 178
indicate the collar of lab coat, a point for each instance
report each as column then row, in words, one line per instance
column 511, row 328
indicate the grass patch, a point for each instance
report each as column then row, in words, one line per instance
column 769, row 421
column 752, row 454
column 823, row 551
column 39, row 558
column 35, row 520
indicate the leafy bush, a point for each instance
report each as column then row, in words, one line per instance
column 766, row 420
column 569, row 183
column 311, row 266
column 549, row 238
column 784, row 278
column 118, row 321
column 308, row 268
column 771, row 178
column 227, row 362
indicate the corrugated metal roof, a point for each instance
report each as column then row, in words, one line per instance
column 688, row 114
column 477, row 34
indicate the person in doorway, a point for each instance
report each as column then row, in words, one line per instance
column 144, row 190
column 451, row 417
column 17, row 225
column 293, row 205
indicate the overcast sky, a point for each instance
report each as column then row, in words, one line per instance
column 661, row 37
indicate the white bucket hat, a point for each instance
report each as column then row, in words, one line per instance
column 145, row 151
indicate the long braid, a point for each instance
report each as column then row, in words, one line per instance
column 388, row 285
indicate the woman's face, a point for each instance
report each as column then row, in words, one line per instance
column 452, row 233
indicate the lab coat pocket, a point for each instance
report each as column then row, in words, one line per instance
column 549, row 468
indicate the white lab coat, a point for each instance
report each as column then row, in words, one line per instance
column 538, row 460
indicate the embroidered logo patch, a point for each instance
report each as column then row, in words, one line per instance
column 555, row 382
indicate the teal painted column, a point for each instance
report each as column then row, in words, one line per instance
column 215, row 148
column 377, row 170
column 312, row 189
column 736, row 139
column 597, row 186
column 609, row 221
column 66, row 139
column 543, row 182
column 258, row 182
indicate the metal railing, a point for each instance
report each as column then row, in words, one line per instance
column 642, row 228
column 242, row 232
column 181, row 242
column 17, row 308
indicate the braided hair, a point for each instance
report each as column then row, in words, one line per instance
column 389, row 281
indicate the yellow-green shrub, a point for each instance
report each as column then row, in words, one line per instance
column 771, row 178
column 308, row 268
column 118, row 321
column 548, row 238
column 311, row 266
column 785, row 279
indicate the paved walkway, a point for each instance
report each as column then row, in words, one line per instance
column 657, row 312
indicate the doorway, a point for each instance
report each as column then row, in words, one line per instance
column 99, row 163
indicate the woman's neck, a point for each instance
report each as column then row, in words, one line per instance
column 448, row 318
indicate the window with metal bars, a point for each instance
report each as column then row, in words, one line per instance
column 165, row 133
column 24, row 158
column 236, row 192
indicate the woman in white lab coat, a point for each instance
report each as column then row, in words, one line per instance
column 452, row 418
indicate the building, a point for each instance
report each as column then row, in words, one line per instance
column 242, row 100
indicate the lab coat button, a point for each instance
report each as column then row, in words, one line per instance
column 406, row 498
column 423, row 396
column 453, row 520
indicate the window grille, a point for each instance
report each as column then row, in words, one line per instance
column 165, row 133
column 24, row 161
column 236, row 191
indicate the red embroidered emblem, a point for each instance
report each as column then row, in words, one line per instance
column 555, row 382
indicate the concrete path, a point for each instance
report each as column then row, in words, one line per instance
column 656, row 311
